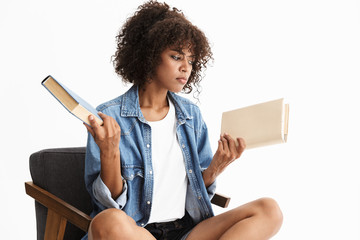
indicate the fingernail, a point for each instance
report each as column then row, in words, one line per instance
column 91, row 117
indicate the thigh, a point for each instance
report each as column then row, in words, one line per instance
column 214, row 227
column 116, row 224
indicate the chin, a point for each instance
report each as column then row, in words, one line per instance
column 176, row 89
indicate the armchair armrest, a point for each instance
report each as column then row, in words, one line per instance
column 220, row 200
column 59, row 212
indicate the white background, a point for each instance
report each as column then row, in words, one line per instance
column 306, row 51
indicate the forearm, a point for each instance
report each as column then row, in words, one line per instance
column 111, row 172
column 209, row 176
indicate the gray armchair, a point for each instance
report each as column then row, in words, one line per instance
column 62, row 204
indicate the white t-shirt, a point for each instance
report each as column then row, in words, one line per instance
column 170, row 181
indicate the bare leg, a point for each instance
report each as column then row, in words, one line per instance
column 257, row 220
column 115, row 224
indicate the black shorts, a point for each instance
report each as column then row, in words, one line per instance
column 175, row 230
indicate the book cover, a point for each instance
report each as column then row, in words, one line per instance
column 260, row 124
column 70, row 100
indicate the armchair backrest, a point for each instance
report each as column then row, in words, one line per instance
column 61, row 172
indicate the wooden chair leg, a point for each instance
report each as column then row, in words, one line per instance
column 55, row 226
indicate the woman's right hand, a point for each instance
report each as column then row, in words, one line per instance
column 107, row 137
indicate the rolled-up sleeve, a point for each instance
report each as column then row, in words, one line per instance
column 103, row 195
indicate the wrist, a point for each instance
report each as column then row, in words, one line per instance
column 209, row 176
column 109, row 153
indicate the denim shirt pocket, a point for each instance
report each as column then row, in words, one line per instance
column 129, row 173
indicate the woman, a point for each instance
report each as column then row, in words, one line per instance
column 149, row 168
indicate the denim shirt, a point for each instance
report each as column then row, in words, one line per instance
column 136, row 162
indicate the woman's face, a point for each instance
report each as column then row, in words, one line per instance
column 174, row 69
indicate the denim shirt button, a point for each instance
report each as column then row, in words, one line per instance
column 183, row 146
column 142, row 224
column 199, row 197
column 190, row 171
column 147, row 145
column 150, row 172
column 148, row 202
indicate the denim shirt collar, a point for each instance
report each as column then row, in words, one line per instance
column 131, row 106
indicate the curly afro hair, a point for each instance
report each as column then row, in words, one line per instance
column 144, row 36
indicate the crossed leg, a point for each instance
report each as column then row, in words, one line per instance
column 257, row 220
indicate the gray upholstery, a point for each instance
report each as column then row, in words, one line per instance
column 61, row 172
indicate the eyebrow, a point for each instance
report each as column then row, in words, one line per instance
column 181, row 52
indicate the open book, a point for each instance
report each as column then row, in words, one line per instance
column 72, row 102
column 260, row 124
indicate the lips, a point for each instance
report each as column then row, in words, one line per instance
column 182, row 80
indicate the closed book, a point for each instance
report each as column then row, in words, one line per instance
column 72, row 102
column 259, row 125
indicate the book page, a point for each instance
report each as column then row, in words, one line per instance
column 259, row 125
column 60, row 93
column 83, row 114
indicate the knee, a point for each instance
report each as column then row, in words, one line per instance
column 270, row 209
column 108, row 224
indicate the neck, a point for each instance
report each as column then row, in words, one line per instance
column 152, row 97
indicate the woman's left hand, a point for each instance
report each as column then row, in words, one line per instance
column 227, row 152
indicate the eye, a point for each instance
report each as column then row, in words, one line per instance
column 191, row 62
column 176, row 57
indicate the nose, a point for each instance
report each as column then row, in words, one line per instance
column 185, row 66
